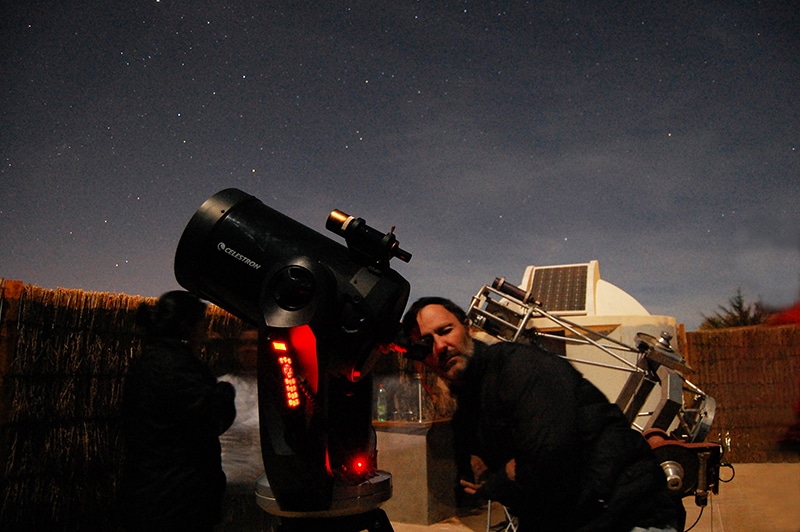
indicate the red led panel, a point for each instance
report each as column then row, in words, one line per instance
column 290, row 387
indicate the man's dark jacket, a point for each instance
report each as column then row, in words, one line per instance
column 579, row 466
column 173, row 413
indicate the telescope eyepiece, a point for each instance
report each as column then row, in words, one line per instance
column 364, row 240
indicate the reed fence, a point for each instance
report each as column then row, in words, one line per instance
column 64, row 354
column 63, row 357
column 754, row 375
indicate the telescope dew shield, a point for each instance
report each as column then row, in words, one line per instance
column 251, row 260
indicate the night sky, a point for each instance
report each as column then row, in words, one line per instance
column 660, row 138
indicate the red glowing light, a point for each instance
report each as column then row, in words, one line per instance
column 296, row 354
column 359, row 465
column 289, row 381
column 304, row 348
column 394, row 347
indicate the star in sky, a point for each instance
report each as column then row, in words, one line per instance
column 493, row 135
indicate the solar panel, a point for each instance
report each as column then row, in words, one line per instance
column 561, row 288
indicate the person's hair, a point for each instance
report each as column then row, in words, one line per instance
column 175, row 315
column 410, row 317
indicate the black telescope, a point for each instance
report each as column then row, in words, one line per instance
column 323, row 310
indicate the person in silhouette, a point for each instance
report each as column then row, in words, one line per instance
column 173, row 412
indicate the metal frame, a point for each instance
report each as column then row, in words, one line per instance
column 505, row 312
column 511, row 521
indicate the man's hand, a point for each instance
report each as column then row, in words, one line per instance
column 470, row 488
column 479, row 469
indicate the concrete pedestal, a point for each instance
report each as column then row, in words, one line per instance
column 420, row 458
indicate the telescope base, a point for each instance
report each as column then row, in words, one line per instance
column 353, row 508
column 372, row 521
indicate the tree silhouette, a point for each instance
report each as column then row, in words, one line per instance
column 738, row 314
